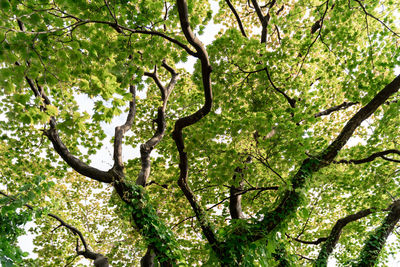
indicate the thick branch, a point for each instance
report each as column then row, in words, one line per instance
column 63, row 151
column 148, row 259
column 316, row 242
column 75, row 163
column 181, row 123
column 58, row 145
column 336, row 231
column 157, row 81
column 330, row 153
column 121, row 130
column 372, row 157
column 235, row 199
column 239, row 21
column 377, row 239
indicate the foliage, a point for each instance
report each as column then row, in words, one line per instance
column 285, row 128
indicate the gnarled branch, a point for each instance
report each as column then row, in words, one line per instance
column 184, row 122
column 147, row 148
column 121, row 130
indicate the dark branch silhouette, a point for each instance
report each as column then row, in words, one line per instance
column 184, row 122
column 328, row 111
column 372, row 157
column 239, row 21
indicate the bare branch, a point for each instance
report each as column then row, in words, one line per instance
column 328, row 111
column 239, row 21
column 372, row 157
column 121, row 130
column 147, row 148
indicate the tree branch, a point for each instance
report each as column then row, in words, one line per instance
column 291, row 198
column 184, row 122
column 316, row 242
column 148, row 259
column 121, row 130
column 375, row 18
column 377, row 239
column 336, row 231
column 239, row 21
column 235, row 199
column 291, row 101
column 330, row 110
column 147, row 148
column 75, row 163
column 119, row 28
column 58, row 145
column 263, row 19
column 330, row 153
column 372, row 157
column 99, row 259
column 320, row 25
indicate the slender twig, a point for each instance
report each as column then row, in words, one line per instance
column 375, row 18
column 321, row 24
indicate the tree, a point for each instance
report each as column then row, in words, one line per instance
column 279, row 149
